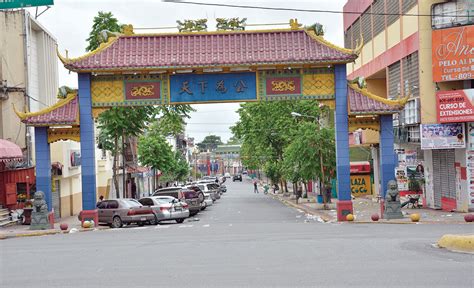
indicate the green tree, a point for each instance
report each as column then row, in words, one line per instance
column 234, row 141
column 210, row 142
column 155, row 152
column 103, row 21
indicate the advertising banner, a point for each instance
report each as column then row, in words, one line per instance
column 453, row 54
column 442, row 136
column 470, row 163
column 455, row 106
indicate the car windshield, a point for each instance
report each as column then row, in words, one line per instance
column 131, row 203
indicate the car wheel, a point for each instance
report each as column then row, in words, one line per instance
column 154, row 221
column 180, row 220
column 203, row 208
column 116, row 222
column 141, row 224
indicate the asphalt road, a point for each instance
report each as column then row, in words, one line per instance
column 245, row 240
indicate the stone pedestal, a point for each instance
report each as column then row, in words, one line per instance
column 39, row 221
column 392, row 211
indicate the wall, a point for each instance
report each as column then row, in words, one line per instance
column 12, row 69
column 462, row 196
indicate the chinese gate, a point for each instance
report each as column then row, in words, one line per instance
column 217, row 67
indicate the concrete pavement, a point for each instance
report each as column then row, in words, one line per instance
column 245, row 240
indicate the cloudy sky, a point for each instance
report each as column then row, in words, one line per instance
column 70, row 22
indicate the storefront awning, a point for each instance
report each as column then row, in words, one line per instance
column 9, row 151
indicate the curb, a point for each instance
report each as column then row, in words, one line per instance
column 457, row 243
column 296, row 206
column 51, row 232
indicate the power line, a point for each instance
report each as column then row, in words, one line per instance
column 305, row 10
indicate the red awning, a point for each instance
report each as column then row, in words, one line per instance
column 9, row 151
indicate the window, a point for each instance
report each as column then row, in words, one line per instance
column 411, row 75
column 102, row 205
column 146, row 202
column 378, row 8
column 366, row 27
column 394, row 85
column 355, row 33
column 393, row 8
column 112, row 204
column 407, row 5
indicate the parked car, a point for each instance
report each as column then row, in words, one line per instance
column 237, row 177
column 204, row 198
column 124, row 211
column 212, row 192
column 184, row 195
column 167, row 208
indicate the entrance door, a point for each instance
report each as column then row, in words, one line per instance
column 56, row 199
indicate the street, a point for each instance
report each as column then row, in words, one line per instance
column 244, row 240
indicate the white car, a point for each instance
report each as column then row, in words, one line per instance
column 207, row 201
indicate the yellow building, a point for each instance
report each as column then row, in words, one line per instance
column 401, row 40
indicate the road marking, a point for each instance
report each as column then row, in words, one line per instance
column 206, row 225
column 139, row 228
column 185, row 226
column 161, row 227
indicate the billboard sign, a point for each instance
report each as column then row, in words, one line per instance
column 12, row 4
column 453, row 54
column 455, row 106
column 442, row 136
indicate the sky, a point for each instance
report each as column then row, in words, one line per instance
column 70, row 22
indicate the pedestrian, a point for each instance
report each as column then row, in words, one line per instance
column 255, row 188
column 299, row 192
column 101, row 198
column 275, row 188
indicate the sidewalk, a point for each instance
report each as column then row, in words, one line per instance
column 365, row 207
column 24, row 230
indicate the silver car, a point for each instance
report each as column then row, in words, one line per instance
column 167, row 208
column 124, row 211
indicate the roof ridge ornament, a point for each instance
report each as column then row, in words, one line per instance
column 197, row 25
column 231, row 24
column 294, row 25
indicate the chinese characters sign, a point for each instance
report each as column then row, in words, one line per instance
column 455, row 106
column 201, row 88
column 453, row 54
column 283, row 85
column 142, row 90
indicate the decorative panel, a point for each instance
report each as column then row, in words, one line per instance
column 57, row 134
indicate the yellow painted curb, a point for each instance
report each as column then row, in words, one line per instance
column 457, row 243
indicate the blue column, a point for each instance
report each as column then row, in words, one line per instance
column 344, row 204
column 342, row 135
column 43, row 164
column 387, row 153
column 87, row 143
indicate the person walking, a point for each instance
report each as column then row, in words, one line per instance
column 255, row 188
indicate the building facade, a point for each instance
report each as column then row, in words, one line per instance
column 406, row 52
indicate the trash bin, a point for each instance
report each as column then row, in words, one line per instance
column 320, row 198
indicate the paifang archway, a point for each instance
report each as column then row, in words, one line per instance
column 217, row 67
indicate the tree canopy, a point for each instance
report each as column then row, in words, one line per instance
column 103, row 21
column 210, row 142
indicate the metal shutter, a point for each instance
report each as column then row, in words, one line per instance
column 411, row 83
column 394, row 80
column 444, row 175
column 378, row 8
column 407, row 5
column 56, row 199
column 393, row 8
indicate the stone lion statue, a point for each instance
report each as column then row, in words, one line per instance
column 39, row 204
column 392, row 192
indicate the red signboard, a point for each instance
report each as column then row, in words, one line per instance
column 142, row 90
column 453, row 54
column 455, row 106
column 283, row 86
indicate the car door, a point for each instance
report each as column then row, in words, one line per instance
column 112, row 207
column 102, row 207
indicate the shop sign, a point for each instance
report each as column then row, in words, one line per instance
column 455, row 106
column 12, row 4
column 202, row 88
column 453, row 54
column 142, row 90
column 470, row 163
column 442, row 136
column 361, row 185
column 401, row 178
